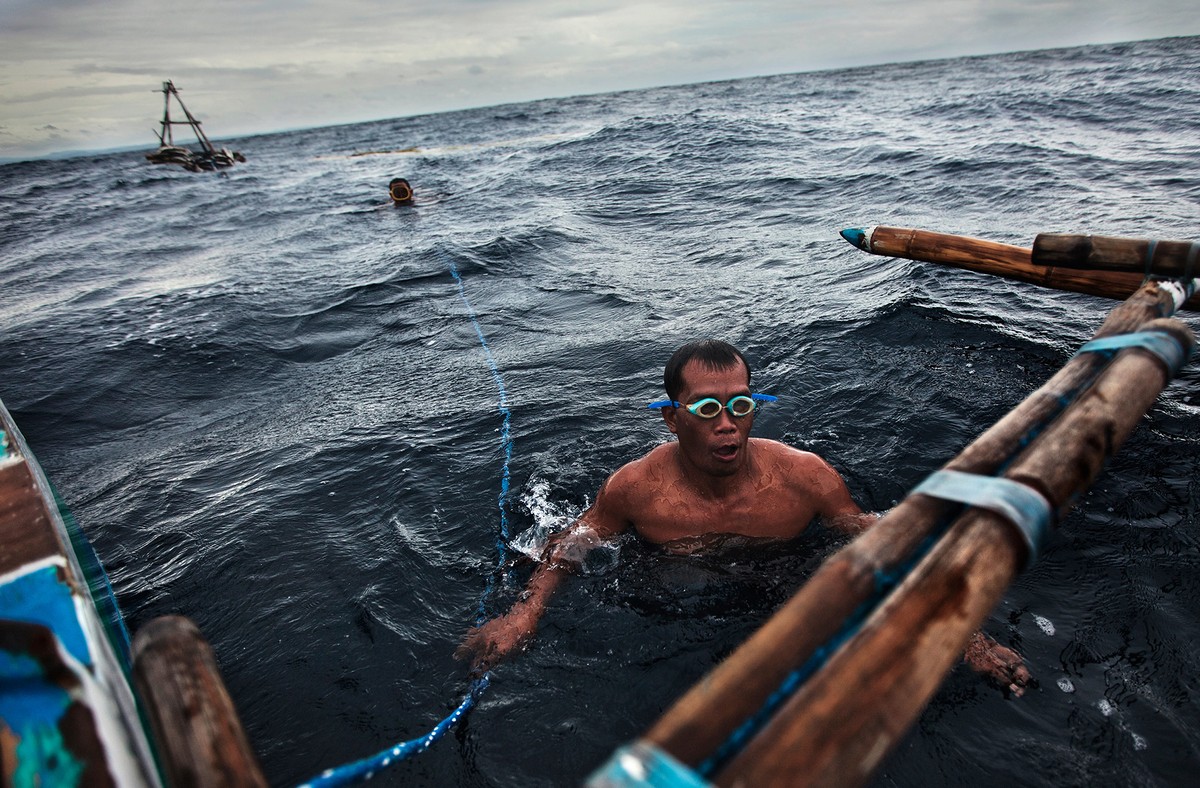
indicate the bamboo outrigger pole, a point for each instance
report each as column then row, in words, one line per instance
column 1095, row 265
column 865, row 676
column 840, row 725
column 1175, row 259
column 200, row 738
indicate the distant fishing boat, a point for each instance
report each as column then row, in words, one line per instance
column 208, row 157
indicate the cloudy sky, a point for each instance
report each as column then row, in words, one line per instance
column 81, row 74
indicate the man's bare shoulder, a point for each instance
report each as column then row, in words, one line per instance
column 648, row 470
column 812, row 477
column 796, row 459
column 629, row 492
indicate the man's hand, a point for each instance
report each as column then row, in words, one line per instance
column 488, row 643
column 492, row 641
column 999, row 663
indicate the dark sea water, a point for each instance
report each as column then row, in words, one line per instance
column 265, row 400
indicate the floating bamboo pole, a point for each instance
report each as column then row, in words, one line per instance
column 1004, row 260
column 696, row 726
column 1173, row 259
column 839, row 726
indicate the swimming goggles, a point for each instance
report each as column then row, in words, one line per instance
column 710, row 408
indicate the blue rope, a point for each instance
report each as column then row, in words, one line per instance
column 505, row 439
column 366, row 768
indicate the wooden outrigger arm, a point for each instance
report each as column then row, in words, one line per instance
column 823, row 691
column 1096, row 265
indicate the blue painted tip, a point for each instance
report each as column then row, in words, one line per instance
column 856, row 236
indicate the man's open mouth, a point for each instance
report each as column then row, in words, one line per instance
column 727, row 452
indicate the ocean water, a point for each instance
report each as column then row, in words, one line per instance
column 265, row 398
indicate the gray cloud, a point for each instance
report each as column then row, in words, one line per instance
column 250, row 66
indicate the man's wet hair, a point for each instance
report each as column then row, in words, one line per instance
column 713, row 353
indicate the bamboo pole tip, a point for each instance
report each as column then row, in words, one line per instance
column 163, row 629
column 857, row 237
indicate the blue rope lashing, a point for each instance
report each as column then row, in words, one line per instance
column 1020, row 504
column 643, row 765
column 1159, row 343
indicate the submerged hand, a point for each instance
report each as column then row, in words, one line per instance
column 488, row 643
column 999, row 663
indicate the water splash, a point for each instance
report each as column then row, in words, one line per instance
column 1044, row 624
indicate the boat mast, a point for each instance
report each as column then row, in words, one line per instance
column 165, row 136
column 169, row 90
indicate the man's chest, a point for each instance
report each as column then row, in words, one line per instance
column 665, row 518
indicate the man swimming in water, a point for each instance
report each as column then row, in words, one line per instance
column 713, row 482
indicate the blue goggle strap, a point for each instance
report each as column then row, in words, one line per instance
column 670, row 403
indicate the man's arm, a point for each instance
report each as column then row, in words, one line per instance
column 834, row 505
column 490, row 642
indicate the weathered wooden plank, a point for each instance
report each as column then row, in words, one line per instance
column 26, row 533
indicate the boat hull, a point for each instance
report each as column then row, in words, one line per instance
column 68, row 713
